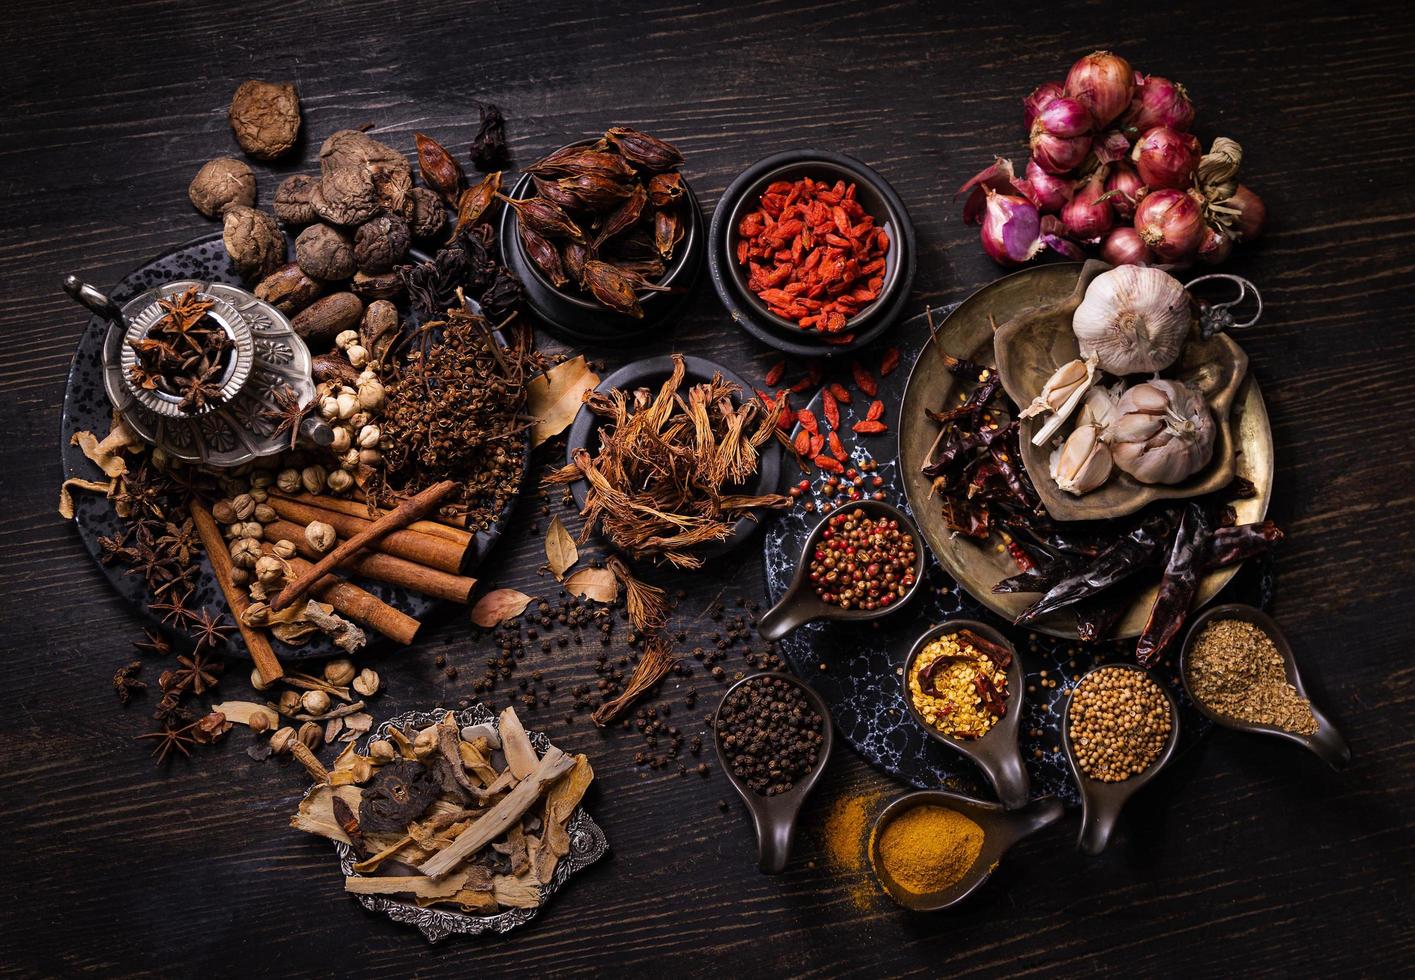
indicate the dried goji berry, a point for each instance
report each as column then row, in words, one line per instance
column 839, row 339
column 830, row 465
column 869, row 427
column 889, row 362
column 841, row 393
column 863, row 379
column 817, row 443
column 831, row 409
column 876, row 411
column 773, row 377
column 801, row 385
column 807, row 418
column 802, row 442
column 837, row 448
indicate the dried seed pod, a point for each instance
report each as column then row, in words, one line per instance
column 288, row 289
column 644, row 150
column 220, row 182
column 543, row 254
column 269, row 570
column 245, row 552
column 665, row 190
column 341, row 440
column 339, row 481
column 667, row 233
column 281, row 740
column 253, row 240
column 292, row 199
column 575, row 256
column 553, row 192
column 612, row 288
column 380, row 243
column 439, row 170
column 284, row 548
column 324, row 252
column 288, row 480
column 649, row 269
column 592, row 192
column 429, row 216
column 624, row 217
column 265, row 116
column 569, row 161
column 311, row 735
column 545, row 218
column 475, row 201
column 345, row 196
column 224, row 512
column 243, row 506
column 340, row 671
column 366, row 683
column 312, row 478
column 488, row 150
column 315, row 702
column 332, row 367
column 381, row 750
column 322, row 321
column 382, row 285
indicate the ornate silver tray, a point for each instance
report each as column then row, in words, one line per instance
column 587, row 845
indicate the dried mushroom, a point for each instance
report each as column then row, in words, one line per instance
column 380, row 243
column 345, row 197
column 292, row 199
column 429, row 216
column 265, row 116
column 351, row 149
column 325, row 253
column 254, row 242
column 220, row 182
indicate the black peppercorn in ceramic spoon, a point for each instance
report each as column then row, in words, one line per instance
column 861, row 562
column 773, row 737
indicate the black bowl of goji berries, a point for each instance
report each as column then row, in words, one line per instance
column 812, row 252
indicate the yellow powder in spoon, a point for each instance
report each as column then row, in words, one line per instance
column 929, row 848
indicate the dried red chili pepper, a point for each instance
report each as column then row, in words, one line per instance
column 863, row 379
column 773, row 376
column 830, row 409
column 889, row 362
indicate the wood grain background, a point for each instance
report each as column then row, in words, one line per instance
column 1248, row 858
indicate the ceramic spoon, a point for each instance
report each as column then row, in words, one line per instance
column 996, row 753
column 1102, row 802
column 775, row 816
column 800, row 604
column 1001, row 829
column 1327, row 743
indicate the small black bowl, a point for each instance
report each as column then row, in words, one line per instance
column 875, row 196
column 650, row 373
column 573, row 316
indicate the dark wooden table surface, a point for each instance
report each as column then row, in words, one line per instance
column 1249, row 858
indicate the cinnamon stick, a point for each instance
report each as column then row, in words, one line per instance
column 391, row 523
column 262, row 654
column 355, row 508
column 361, row 606
column 424, row 549
column 378, row 567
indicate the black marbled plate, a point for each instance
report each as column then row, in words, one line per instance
column 856, row 667
column 86, row 408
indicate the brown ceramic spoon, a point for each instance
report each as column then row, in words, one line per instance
column 996, row 753
column 1102, row 802
column 1327, row 743
column 800, row 604
column 1001, row 829
column 775, row 816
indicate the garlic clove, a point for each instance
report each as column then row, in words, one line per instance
column 1082, row 463
column 1060, row 396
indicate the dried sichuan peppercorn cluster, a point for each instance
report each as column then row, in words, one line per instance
column 770, row 734
column 863, row 562
column 814, row 256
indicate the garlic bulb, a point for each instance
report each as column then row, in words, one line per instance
column 1060, row 396
column 1133, row 320
column 1163, row 432
column 1081, row 463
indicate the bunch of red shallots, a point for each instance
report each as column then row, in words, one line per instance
column 1114, row 165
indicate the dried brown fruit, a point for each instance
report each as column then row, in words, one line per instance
column 323, row 320
column 326, row 253
column 254, row 242
column 429, row 216
column 645, row 150
column 345, row 196
column 440, row 172
column 381, row 242
column 292, row 199
column 220, row 182
column 288, row 289
column 379, row 327
column 384, row 285
column 351, row 148
column 265, row 116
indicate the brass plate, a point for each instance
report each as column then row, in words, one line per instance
column 978, row 566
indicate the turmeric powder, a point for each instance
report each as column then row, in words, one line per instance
column 929, row 848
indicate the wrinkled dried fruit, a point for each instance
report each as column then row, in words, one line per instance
column 488, row 150
column 265, row 116
column 288, row 289
column 292, row 199
column 612, row 288
column 380, row 243
column 667, row 232
column 220, row 182
column 323, row 252
column 439, row 171
column 665, row 190
column 647, row 151
column 345, row 197
column 429, row 216
column 571, row 160
column 396, row 796
column 545, row 218
column 475, row 201
column 323, row 320
column 543, row 254
column 254, row 242
column 349, row 148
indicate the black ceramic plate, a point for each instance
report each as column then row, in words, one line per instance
column 856, row 667
column 86, row 408
column 652, row 372
column 875, row 196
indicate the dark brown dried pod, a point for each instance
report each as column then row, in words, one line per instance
column 333, row 366
column 612, row 288
column 489, row 150
column 553, row 192
column 324, row 252
column 253, row 240
column 545, row 217
column 665, row 190
column 667, row 232
column 265, row 116
column 220, row 182
column 326, row 318
column 543, row 254
column 575, row 256
column 381, row 243
column 292, row 199
column 382, row 285
column 476, row 201
column 439, row 171
column 651, row 269
column 345, row 197
column 568, row 161
column 624, row 217
column 429, row 216
column 593, row 192
column 288, row 289
column 644, row 150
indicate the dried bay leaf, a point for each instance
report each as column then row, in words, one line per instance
column 560, row 550
column 555, row 397
column 499, row 606
column 596, row 584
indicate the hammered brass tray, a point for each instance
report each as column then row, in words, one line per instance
column 978, row 566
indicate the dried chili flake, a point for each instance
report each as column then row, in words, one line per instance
column 863, row 379
column 889, row 362
column 830, row 409
column 773, row 377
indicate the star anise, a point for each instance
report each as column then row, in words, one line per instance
column 179, row 540
column 199, row 390
column 126, row 683
column 155, row 567
column 154, row 643
column 171, row 737
column 171, row 712
column 115, row 548
column 183, row 311
column 174, row 609
column 209, row 631
column 197, row 673
column 288, row 412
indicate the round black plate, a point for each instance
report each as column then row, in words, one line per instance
column 856, row 667
column 86, row 408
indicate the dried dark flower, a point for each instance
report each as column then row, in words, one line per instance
column 396, row 796
column 488, row 150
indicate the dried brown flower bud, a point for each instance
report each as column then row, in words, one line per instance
column 323, row 252
column 339, row 671
column 265, row 116
column 292, row 199
column 380, row 243
column 345, row 196
column 220, row 182
column 253, row 240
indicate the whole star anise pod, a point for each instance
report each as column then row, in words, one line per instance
column 288, row 412
column 196, row 673
column 171, row 736
column 126, row 683
column 153, row 642
column 179, row 540
column 199, row 390
column 173, row 609
column 209, row 631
